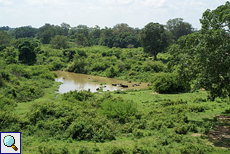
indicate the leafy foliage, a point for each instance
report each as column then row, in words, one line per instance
column 27, row 54
column 169, row 83
column 59, row 42
column 179, row 28
column 154, row 38
column 206, row 53
column 119, row 109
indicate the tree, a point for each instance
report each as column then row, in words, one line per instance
column 81, row 34
column 46, row 33
column 66, row 27
column 4, row 38
column 208, row 52
column 27, row 54
column 217, row 19
column 95, row 34
column 179, row 28
column 26, row 31
column 47, row 36
column 126, row 39
column 154, row 38
column 59, row 42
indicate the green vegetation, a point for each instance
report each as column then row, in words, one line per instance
column 184, row 110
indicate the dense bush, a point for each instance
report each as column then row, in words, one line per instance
column 154, row 66
column 119, row 109
column 77, row 95
column 169, row 83
column 91, row 129
column 23, row 83
column 8, row 121
column 44, row 149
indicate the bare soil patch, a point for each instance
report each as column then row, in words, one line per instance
column 196, row 134
column 220, row 136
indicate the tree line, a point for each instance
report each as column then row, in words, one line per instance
column 121, row 35
column 198, row 58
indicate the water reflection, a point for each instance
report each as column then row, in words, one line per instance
column 76, row 81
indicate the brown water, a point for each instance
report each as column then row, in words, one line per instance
column 76, row 81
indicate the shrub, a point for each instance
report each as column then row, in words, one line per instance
column 169, row 102
column 44, row 149
column 119, row 109
column 69, row 54
column 137, row 133
column 117, row 149
column 197, row 108
column 112, row 71
column 92, row 129
column 77, row 95
column 155, row 66
column 8, row 121
column 169, row 83
column 181, row 129
column 119, row 92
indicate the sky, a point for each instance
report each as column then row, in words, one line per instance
column 104, row 13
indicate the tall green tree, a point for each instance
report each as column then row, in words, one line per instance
column 95, row 34
column 154, row 39
column 217, row 19
column 179, row 28
column 46, row 33
column 207, row 52
column 66, row 27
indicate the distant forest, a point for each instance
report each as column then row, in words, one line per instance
column 121, row 35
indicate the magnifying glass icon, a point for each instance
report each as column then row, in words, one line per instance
column 9, row 141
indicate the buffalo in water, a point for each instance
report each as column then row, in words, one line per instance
column 124, row 86
column 114, row 84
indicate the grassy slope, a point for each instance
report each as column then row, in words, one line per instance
column 145, row 100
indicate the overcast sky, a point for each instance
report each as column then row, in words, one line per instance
column 136, row 13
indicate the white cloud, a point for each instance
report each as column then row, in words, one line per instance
column 136, row 13
column 140, row 3
column 42, row 2
column 5, row 2
column 125, row 1
column 152, row 3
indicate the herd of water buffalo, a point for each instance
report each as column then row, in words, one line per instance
column 123, row 85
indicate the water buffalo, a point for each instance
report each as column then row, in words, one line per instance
column 114, row 84
column 124, row 86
